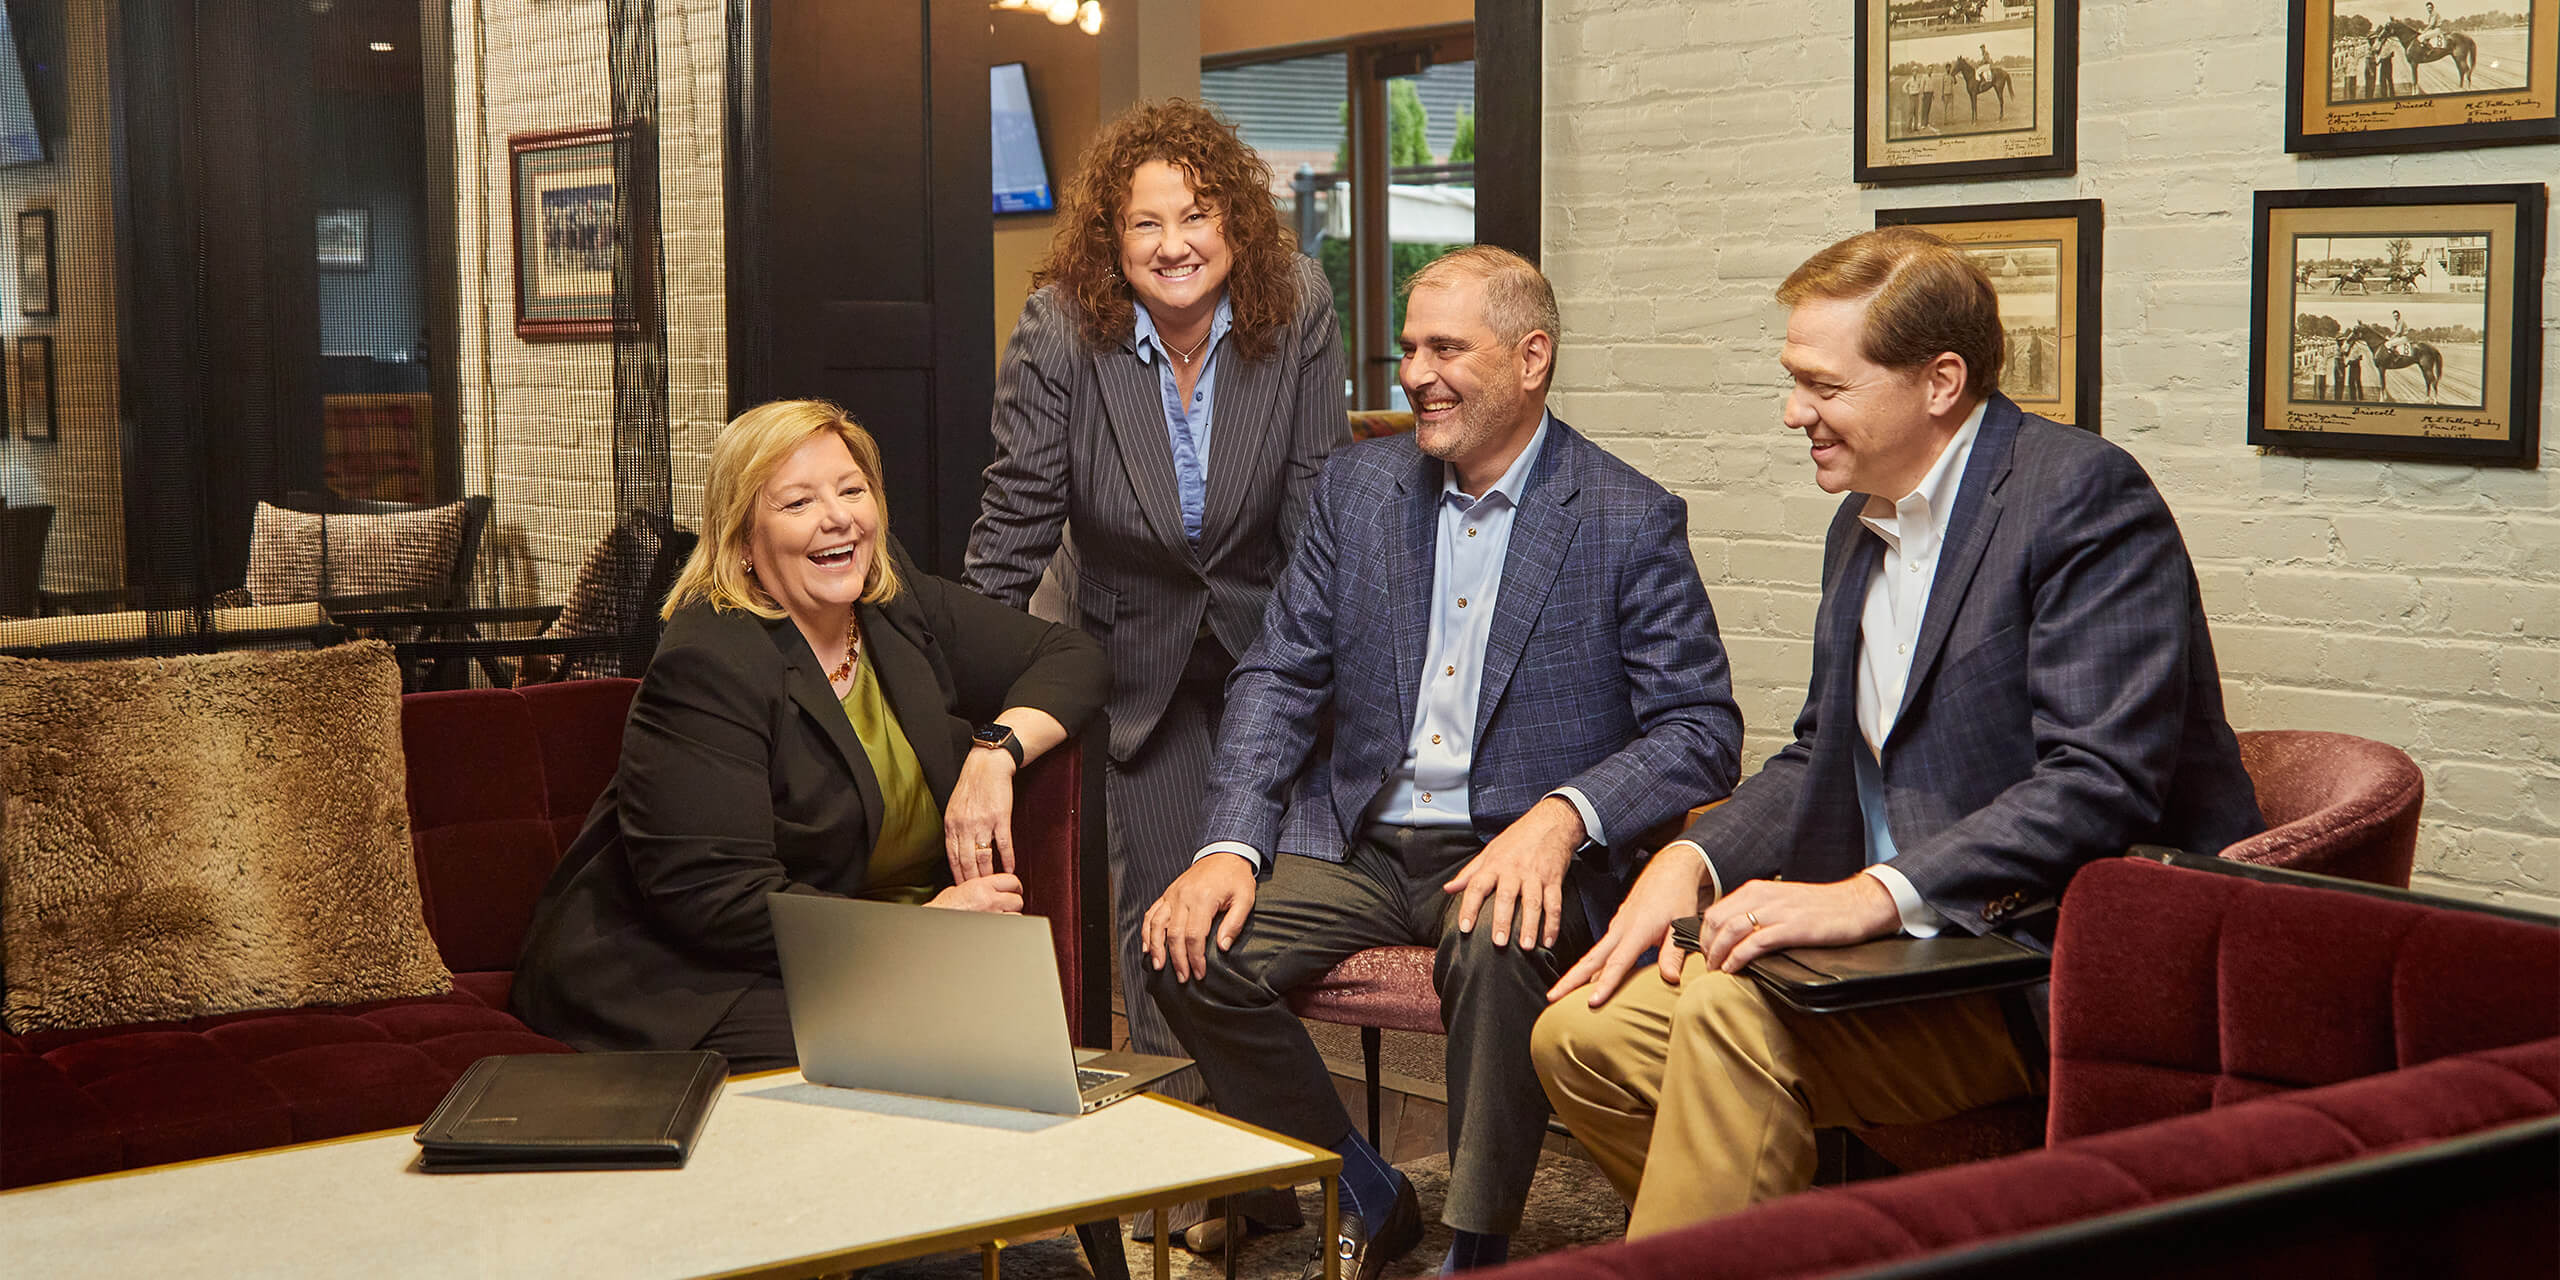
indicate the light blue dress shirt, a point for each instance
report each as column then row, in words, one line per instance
column 1430, row 788
column 1187, row 425
column 1474, row 537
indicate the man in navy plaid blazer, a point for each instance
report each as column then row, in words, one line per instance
column 1523, row 675
column 2011, row 677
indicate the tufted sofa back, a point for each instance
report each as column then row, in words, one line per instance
column 2175, row 991
column 500, row 780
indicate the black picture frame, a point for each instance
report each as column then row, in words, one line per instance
column 1898, row 137
column 2470, row 84
column 35, row 263
column 2030, row 249
column 567, row 226
column 2392, row 280
column 36, row 405
column 342, row 238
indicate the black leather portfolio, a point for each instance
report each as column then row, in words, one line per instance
column 1888, row 970
column 531, row 1111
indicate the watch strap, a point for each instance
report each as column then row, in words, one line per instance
column 999, row 735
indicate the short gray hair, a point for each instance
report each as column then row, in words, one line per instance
column 1517, row 297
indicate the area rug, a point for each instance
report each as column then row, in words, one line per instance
column 1571, row 1205
column 188, row 836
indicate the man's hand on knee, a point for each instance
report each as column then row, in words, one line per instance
column 1524, row 868
column 1217, row 892
column 1771, row 915
column 1667, row 890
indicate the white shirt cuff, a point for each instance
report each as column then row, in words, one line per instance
column 1236, row 847
column 1919, row 919
column 1715, row 883
column 1592, row 833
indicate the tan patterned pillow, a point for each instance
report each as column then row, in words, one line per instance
column 197, row 835
column 402, row 551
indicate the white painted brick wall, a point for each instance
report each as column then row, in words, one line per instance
column 1696, row 152
column 537, row 416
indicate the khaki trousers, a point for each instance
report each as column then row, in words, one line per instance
column 1701, row 1099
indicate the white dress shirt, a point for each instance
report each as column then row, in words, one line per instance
column 1914, row 531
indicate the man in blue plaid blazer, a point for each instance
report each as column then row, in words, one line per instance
column 2011, row 677
column 1522, row 674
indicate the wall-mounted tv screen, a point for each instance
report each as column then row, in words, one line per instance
column 21, row 142
column 1021, row 171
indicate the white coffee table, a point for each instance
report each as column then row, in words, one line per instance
column 789, row 1180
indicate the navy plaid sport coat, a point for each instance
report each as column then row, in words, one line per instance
column 1603, row 670
column 2063, row 702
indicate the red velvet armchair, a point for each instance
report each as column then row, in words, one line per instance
column 2335, row 805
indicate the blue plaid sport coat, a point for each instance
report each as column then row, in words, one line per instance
column 1603, row 670
column 2063, row 702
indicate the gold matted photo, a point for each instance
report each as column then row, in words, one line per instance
column 2043, row 258
column 2421, row 75
column 1965, row 88
column 2399, row 321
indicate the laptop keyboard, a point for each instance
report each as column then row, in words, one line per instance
column 1088, row 1077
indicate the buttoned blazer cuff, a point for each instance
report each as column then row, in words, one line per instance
column 1919, row 919
column 1239, row 848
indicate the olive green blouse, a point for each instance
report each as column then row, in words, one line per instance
column 907, row 864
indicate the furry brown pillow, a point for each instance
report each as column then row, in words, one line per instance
column 198, row 835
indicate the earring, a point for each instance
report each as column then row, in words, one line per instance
column 746, row 564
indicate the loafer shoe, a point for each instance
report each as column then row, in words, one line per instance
column 1262, row 1212
column 1365, row 1254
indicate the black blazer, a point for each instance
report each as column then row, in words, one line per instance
column 740, row 776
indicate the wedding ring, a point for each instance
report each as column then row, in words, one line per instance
column 986, row 844
column 1753, row 917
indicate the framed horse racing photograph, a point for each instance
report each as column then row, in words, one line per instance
column 2399, row 321
column 575, row 279
column 1965, row 88
column 2043, row 260
column 2421, row 75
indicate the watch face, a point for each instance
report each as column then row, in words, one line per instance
column 994, row 735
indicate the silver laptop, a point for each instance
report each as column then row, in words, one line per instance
column 961, row 1005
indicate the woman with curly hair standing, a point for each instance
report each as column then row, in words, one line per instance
column 1160, row 416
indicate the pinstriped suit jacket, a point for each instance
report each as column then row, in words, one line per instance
column 1084, row 470
column 2063, row 702
column 1603, row 669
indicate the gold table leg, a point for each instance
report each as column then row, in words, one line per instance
column 987, row 1260
column 1332, row 1227
column 1164, row 1246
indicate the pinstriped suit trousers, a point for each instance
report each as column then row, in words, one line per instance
column 1155, row 828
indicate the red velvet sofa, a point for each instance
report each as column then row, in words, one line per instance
column 499, row 782
column 2254, row 1072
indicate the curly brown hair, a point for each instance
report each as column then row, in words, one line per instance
column 1225, row 174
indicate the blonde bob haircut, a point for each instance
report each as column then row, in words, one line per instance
column 743, row 459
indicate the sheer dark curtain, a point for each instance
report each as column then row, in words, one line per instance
column 286, row 240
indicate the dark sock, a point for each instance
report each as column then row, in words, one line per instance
column 1472, row 1249
column 1369, row 1183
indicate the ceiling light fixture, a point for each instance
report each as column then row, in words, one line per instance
column 1084, row 15
column 380, row 46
